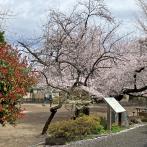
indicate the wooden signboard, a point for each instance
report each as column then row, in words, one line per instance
column 113, row 104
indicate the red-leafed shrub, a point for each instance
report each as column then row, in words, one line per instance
column 16, row 77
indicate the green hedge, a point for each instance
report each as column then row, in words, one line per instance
column 76, row 129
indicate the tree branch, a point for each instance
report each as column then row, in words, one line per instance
column 33, row 54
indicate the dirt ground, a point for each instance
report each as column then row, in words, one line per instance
column 27, row 131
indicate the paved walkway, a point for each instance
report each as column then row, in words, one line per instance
column 133, row 138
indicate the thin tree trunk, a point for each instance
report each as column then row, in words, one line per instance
column 53, row 111
column 45, row 128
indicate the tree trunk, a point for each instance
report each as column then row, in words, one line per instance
column 118, row 97
column 45, row 128
column 53, row 111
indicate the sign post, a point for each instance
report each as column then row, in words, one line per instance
column 113, row 104
column 109, row 117
column 119, row 119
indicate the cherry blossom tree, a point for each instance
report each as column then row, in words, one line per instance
column 128, row 76
column 76, row 47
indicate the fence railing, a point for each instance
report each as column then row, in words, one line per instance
column 32, row 100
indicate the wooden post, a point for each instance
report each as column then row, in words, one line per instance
column 108, row 117
column 119, row 119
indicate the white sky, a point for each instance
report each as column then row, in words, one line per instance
column 30, row 15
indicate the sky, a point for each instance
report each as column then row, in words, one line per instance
column 28, row 16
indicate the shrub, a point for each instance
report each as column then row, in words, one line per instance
column 16, row 77
column 103, row 122
column 115, row 128
column 56, row 100
column 73, row 129
column 144, row 119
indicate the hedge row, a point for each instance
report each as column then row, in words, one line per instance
column 76, row 129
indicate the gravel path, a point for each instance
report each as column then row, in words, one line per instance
column 133, row 138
